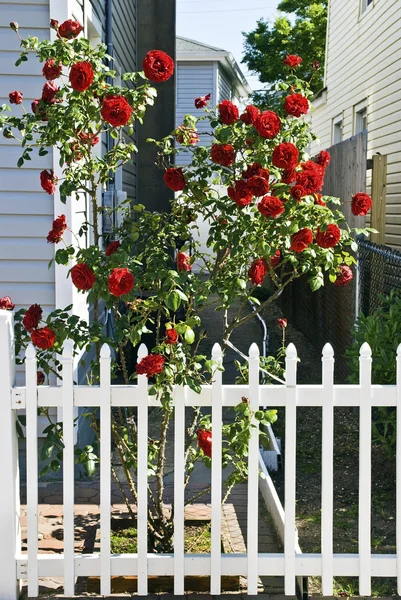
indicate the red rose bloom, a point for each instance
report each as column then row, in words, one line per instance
column 48, row 181
column 256, row 169
column 32, row 317
column 328, row 238
column 250, row 115
column 81, row 76
column 120, row 282
column 202, row 101
column 43, row 338
column 54, row 23
column 361, row 204
column 49, row 92
column 205, row 442
column 345, row 275
column 323, row 158
column 186, row 136
column 270, row 206
column 282, row 323
column 296, row 105
column 39, row 112
column 112, row 247
column 311, row 177
column 15, row 97
column 275, row 259
column 85, row 137
column 174, row 179
column 240, row 193
column 152, row 364
column 56, row 233
column 289, row 176
column 82, row 277
column 116, row 110
column 40, row 378
column 297, row 192
column 228, row 112
column 268, row 124
column 183, row 262
column 259, row 186
column 51, row 70
column 222, row 154
column 319, row 199
column 69, row 29
column 301, row 240
column 285, row 156
column 158, row 66
column 292, row 61
column 171, row 336
column 6, row 303
column 258, row 271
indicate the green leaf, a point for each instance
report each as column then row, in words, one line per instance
column 173, row 301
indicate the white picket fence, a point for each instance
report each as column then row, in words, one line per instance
column 15, row 566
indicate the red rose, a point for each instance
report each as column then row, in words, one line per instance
column 186, row 136
column 40, row 378
column 328, row 238
column 319, row 200
column 43, row 338
column 81, row 76
column 285, row 156
column 250, row 115
column 282, row 323
column 49, row 92
column 15, row 97
column 316, row 65
column 228, row 112
column 54, row 24
column 259, row 186
column 152, row 364
column 311, row 177
column 56, row 233
column 222, row 154
column 183, row 262
column 256, row 169
column 82, row 277
column 120, row 282
column 48, row 181
column 174, row 179
column 112, row 247
column 297, row 192
column 289, row 176
column 158, row 66
column 323, row 158
column 32, row 317
column 275, row 259
column 85, row 137
column 361, row 204
column 240, row 193
column 202, row 101
column 171, row 336
column 258, row 271
column 296, row 105
column 292, row 61
column 116, row 110
column 301, row 240
column 6, row 303
column 268, row 124
column 69, row 29
column 205, row 441
column 270, row 206
column 39, row 112
column 345, row 275
column 51, row 70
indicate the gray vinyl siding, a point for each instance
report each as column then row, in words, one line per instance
column 225, row 87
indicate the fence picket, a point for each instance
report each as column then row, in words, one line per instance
column 253, row 475
column 105, row 479
column 179, row 493
column 398, row 472
column 217, row 423
column 290, row 469
column 365, row 440
column 68, row 468
column 327, row 469
column 142, row 475
column 32, row 469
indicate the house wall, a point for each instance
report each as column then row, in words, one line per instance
column 363, row 57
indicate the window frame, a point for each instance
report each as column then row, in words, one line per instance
column 337, row 125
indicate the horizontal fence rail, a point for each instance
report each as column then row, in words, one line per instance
column 290, row 564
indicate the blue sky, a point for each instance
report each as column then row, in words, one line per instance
column 220, row 23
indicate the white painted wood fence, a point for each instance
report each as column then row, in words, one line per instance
column 15, row 566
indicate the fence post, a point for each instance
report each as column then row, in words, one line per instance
column 379, row 180
column 398, row 472
column 253, row 475
column 10, row 539
column 365, row 476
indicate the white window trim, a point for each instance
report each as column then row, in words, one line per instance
column 365, row 8
column 358, row 109
column 338, row 120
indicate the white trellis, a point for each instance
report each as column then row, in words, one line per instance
column 15, row 566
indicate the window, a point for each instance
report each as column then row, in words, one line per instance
column 365, row 4
column 360, row 118
column 337, row 134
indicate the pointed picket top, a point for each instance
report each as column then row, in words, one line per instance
column 217, row 352
column 291, row 351
column 365, row 351
column 68, row 350
column 105, row 351
column 142, row 352
column 254, row 351
column 399, row 351
column 30, row 353
column 328, row 351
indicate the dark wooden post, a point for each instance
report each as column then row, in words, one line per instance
column 378, row 216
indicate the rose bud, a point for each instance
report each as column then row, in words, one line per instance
column 14, row 25
column 54, row 24
column 15, row 97
column 282, row 323
column 316, row 65
column 8, row 134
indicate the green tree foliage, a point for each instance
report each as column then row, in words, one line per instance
column 301, row 30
